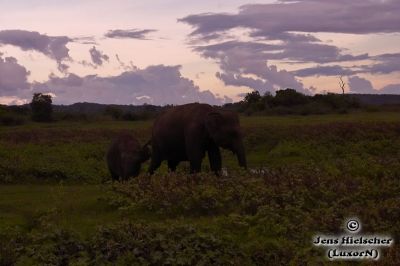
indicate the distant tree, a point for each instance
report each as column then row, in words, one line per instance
column 253, row 102
column 252, row 97
column 41, row 106
column 342, row 84
column 290, row 97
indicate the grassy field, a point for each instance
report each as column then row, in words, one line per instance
column 307, row 175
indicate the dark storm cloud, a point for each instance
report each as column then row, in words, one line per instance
column 283, row 31
column 97, row 56
column 13, row 77
column 54, row 47
column 158, row 85
column 129, row 34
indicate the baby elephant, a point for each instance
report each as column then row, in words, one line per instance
column 125, row 157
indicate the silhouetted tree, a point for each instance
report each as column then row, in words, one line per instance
column 252, row 97
column 289, row 97
column 268, row 99
column 342, row 84
column 41, row 106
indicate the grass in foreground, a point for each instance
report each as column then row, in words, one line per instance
column 313, row 172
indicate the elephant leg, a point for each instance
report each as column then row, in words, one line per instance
column 155, row 162
column 214, row 157
column 195, row 156
column 195, row 148
column 172, row 164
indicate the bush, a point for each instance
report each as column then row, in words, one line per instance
column 122, row 244
column 129, row 244
column 12, row 244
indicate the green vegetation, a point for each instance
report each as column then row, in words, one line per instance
column 307, row 175
column 289, row 101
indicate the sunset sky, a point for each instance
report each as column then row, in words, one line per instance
column 174, row 51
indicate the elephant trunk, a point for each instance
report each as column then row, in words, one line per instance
column 241, row 155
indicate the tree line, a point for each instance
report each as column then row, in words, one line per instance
column 289, row 101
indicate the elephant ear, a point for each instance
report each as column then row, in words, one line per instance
column 213, row 122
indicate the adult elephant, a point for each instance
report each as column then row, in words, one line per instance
column 187, row 132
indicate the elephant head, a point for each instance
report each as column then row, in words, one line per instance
column 132, row 160
column 224, row 129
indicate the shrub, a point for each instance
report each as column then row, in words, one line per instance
column 128, row 244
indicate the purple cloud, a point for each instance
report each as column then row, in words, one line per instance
column 361, row 85
column 282, row 31
column 245, row 64
column 54, row 47
column 129, row 34
column 13, row 77
column 158, row 85
column 98, row 57
column 319, row 70
column 386, row 64
column 304, row 16
column 391, row 89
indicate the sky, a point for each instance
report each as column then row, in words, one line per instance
column 175, row 51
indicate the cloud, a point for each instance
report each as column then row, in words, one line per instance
column 129, row 34
column 157, row 85
column 386, row 64
column 98, row 57
column 361, row 85
column 11, row 100
column 320, row 70
column 308, row 16
column 283, row 32
column 54, row 47
column 124, row 66
column 391, row 89
column 85, row 40
column 382, row 64
column 13, row 77
column 245, row 64
column 238, row 80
